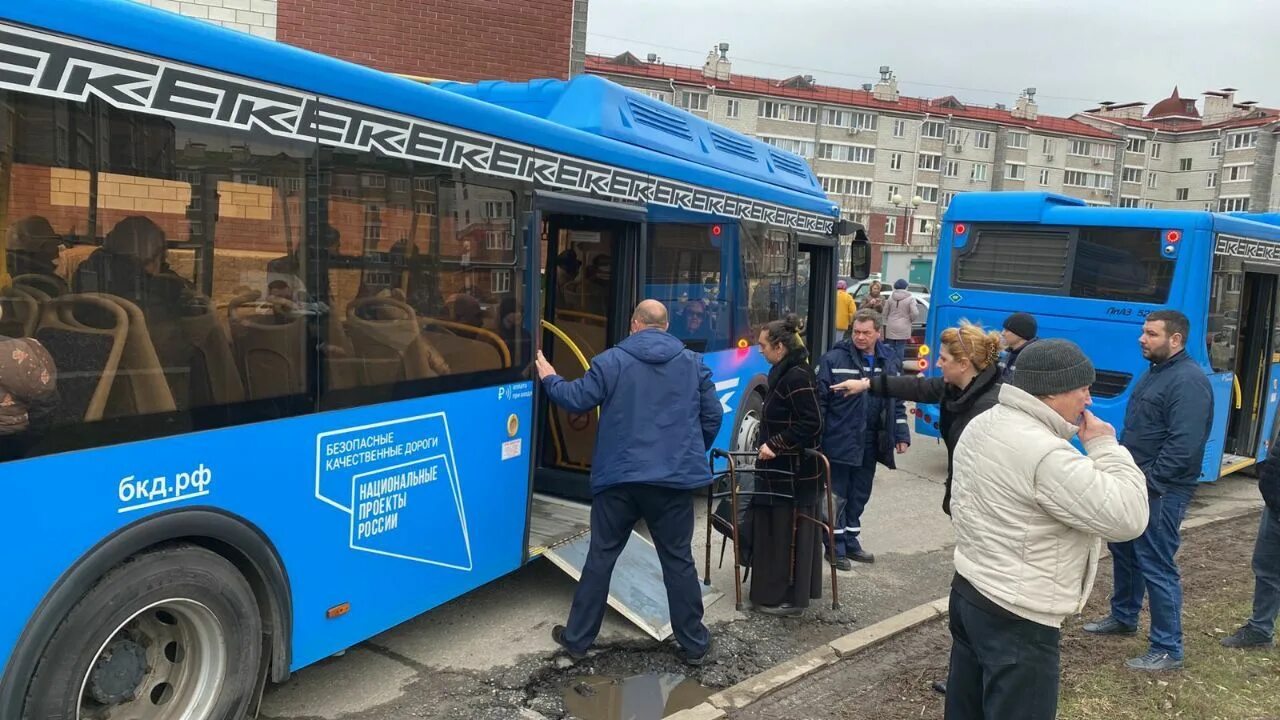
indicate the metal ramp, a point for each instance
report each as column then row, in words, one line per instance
column 1234, row 463
column 559, row 531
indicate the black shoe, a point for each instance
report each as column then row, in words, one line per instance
column 862, row 556
column 940, row 686
column 783, row 610
column 557, row 634
column 699, row 660
column 1248, row 637
column 842, row 563
column 1109, row 626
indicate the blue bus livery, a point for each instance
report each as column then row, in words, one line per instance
column 1091, row 274
column 291, row 302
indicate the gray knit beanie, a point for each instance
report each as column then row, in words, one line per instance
column 1049, row 367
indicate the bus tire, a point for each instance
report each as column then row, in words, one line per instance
column 746, row 429
column 170, row 633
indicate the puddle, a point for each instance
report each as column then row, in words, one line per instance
column 639, row 697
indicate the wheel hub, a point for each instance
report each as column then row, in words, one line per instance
column 118, row 673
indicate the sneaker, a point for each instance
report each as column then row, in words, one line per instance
column 940, row 686
column 557, row 634
column 698, row 660
column 862, row 556
column 1248, row 637
column 783, row 610
column 1109, row 626
column 842, row 563
column 1155, row 661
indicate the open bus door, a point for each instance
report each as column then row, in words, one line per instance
column 592, row 254
column 1254, row 381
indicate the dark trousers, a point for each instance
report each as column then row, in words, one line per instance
column 1266, row 573
column 779, row 573
column 899, row 347
column 1146, row 567
column 1001, row 668
column 851, row 485
column 668, row 512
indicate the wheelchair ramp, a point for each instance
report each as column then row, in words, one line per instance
column 636, row 589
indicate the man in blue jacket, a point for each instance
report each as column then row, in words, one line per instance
column 1166, row 427
column 858, row 430
column 659, row 416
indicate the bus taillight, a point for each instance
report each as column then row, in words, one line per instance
column 1173, row 236
column 960, row 229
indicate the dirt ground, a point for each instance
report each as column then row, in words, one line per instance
column 892, row 682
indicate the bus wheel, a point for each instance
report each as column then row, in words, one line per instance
column 170, row 634
column 747, row 439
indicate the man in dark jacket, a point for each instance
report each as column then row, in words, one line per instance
column 858, row 430
column 659, row 415
column 1166, row 426
column 1019, row 331
column 1260, row 630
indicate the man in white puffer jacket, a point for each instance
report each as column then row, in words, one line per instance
column 1030, row 512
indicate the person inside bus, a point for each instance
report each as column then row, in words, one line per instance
column 280, row 290
column 1260, row 630
column 1166, row 426
column 695, row 328
column 659, row 416
column 858, row 431
column 1019, row 332
column 786, row 561
column 28, row 377
column 467, row 310
column 34, row 248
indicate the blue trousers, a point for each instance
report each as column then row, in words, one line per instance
column 1146, row 567
column 899, row 347
column 851, row 485
column 1266, row 573
column 668, row 512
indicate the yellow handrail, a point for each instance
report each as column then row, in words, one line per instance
column 1235, row 390
column 573, row 347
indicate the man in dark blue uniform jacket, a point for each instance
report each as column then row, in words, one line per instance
column 858, row 430
column 659, row 416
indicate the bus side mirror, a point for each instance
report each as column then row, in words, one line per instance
column 860, row 256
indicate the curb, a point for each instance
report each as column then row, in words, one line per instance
column 780, row 676
column 775, row 678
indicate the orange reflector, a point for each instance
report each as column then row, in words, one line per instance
column 743, row 344
column 924, row 364
column 338, row 611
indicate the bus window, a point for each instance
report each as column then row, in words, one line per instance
column 1224, row 312
column 768, row 274
column 1113, row 263
column 684, row 273
column 421, row 278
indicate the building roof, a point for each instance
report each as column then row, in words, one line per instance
column 842, row 96
column 1260, row 116
column 1174, row 106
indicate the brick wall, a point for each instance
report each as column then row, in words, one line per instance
column 450, row 39
column 257, row 17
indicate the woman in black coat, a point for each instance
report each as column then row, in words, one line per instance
column 970, row 384
column 791, row 424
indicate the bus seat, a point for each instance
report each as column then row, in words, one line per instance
column 467, row 346
column 50, row 285
column 391, row 348
column 215, row 379
column 342, row 367
column 87, row 358
column 270, row 346
column 142, row 387
column 20, row 314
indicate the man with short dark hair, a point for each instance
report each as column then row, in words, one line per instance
column 659, row 415
column 1166, row 427
column 858, row 430
column 1019, row 331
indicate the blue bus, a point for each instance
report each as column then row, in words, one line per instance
column 1091, row 274
column 288, row 306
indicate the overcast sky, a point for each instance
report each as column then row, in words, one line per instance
column 1075, row 52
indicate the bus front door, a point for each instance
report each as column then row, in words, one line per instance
column 1254, row 382
column 589, row 292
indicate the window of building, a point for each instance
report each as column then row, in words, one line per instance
column 1233, row 204
column 400, row 184
column 953, row 169
column 1236, row 173
column 1081, row 148
column 1131, row 175
column 946, row 199
column 891, row 227
column 1153, row 180
column 803, row 114
column 1128, row 202
column 865, row 121
column 1113, row 263
column 924, row 226
column 658, row 95
column 803, row 148
column 893, row 190
column 933, row 129
column 732, row 108
column 1044, row 178
column 1049, row 146
column 956, row 136
column 1155, row 150
column 368, row 180
column 895, row 161
column 1015, row 171
column 1019, row 140
column 982, row 140
column 930, row 162
column 846, row 186
column 1075, row 178
column 1182, row 194
column 1242, row 140
column 899, row 128
column 847, row 153
column 928, row 193
column 1215, row 148
column 979, row 172
column 771, row 110
column 1184, row 164
column 1211, row 179
column 500, row 282
column 693, row 101
column 1136, row 144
